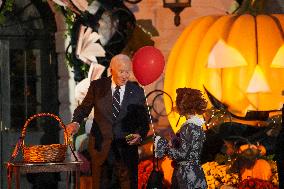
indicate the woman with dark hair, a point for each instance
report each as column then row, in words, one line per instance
column 186, row 146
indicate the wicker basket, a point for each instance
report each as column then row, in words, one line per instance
column 44, row 153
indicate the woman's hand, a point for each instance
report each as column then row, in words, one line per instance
column 170, row 144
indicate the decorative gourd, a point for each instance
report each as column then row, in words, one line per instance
column 238, row 58
column 244, row 147
column 261, row 149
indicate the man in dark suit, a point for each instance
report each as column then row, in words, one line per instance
column 120, row 123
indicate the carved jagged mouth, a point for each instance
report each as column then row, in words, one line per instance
column 250, row 115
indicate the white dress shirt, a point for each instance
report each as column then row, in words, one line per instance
column 121, row 91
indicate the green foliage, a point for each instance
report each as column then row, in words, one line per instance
column 221, row 159
column 8, row 7
column 269, row 157
column 69, row 20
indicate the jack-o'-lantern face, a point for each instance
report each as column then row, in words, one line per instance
column 239, row 59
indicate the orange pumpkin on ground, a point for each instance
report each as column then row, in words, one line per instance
column 261, row 170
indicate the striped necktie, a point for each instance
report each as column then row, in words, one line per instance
column 116, row 103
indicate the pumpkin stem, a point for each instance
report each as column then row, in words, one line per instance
column 252, row 7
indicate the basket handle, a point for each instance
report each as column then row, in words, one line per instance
column 66, row 139
column 20, row 142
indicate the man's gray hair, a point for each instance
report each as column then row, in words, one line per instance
column 120, row 58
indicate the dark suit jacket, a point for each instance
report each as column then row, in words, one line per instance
column 104, row 130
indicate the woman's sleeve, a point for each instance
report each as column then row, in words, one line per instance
column 160, row 146
column 188, row 137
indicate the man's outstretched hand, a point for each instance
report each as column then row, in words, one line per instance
column 72, row 128
column 134, row 139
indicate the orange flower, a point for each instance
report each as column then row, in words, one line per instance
column 144, row 170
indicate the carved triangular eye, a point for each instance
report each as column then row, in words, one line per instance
column 225, row 56
column 278, row 60
column 258, row 82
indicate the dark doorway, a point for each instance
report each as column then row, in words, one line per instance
column 28, row 77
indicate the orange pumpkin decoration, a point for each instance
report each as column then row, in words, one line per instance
column 244, row 147
column 261, row 149
column 236, row 57
column 261, row 170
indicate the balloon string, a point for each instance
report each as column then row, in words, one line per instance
column 155, row 161
column 148, row 107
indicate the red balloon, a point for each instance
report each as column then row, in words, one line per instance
column 148, row 64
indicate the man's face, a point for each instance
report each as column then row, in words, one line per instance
column 120, row 72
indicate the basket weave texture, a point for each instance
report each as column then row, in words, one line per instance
column 44, row 153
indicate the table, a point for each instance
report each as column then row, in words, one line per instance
column 18, row 168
